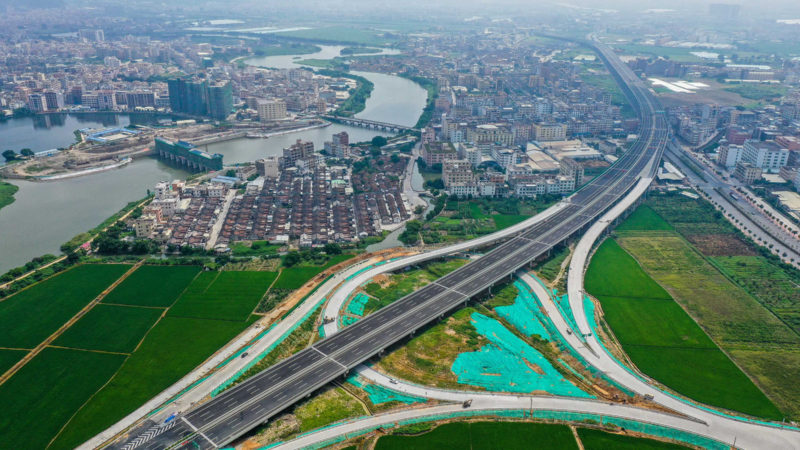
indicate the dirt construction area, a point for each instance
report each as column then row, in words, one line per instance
column 721, row 245
column 85, row 155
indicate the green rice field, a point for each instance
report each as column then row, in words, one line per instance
column 121, row 353
column 173, row 348
column 644, row 218
column 593, row 439
column 663, row 340
column 10, row 357
column 44, row 394
column 110, row 328
column 229, row 296
column 296, row 276
column 153, row 286
column 484, row 435
column 31, row 315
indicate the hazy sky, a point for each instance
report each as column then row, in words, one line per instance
column 493, row 8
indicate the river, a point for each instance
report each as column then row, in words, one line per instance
column 51, row 131
column 393, row 100
column 47, row 214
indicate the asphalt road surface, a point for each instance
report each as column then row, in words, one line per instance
column 238, row 410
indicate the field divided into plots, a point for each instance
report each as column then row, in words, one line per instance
column 156, row 325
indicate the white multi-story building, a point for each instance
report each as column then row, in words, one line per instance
column 729, row 156
column 168, row 205
column 216, row 190
column 107, row 100
column 457, row 135
column 271, row 110
column 470, row 152
column 504, row 156
column 550, row 132
column 90, row 101
column 457, row 172
column 163, row 190
column 268, row 167
column 766, row 155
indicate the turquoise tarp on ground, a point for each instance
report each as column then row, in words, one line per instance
column 509, row 364
column 379, row 394
column 524, row 313
column 347, row 320
column 357, row 304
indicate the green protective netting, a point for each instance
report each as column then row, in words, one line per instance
column 563, row 345
column 588, row 306
column 380, row 394
column 357, row 304
column 524, row 313
column 347, row 320
column 562, row 302
column 371, row 266
column 509, row 364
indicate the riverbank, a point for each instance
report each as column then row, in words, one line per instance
column 357, row 101
column 432, row 90
column 285, row 132
column 81, row 173
column 7, row 191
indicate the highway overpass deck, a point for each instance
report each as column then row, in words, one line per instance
column 238, row 410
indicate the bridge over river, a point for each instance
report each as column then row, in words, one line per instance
column 371, row 124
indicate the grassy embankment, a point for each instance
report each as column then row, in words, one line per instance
column 289, row 48
column 432, row 89
column 7, row 191
column 760, row 92
column 357, row 50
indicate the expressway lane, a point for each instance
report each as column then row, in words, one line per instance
column 236, row 411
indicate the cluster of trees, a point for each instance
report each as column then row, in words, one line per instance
column 410, row 235
column 434, row 184
column 30, row 265
column 37, row 276
column 423, row 166
column 112, row 242
column 313, row 256
column 11, row 155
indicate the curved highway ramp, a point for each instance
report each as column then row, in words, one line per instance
column 221, row 420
